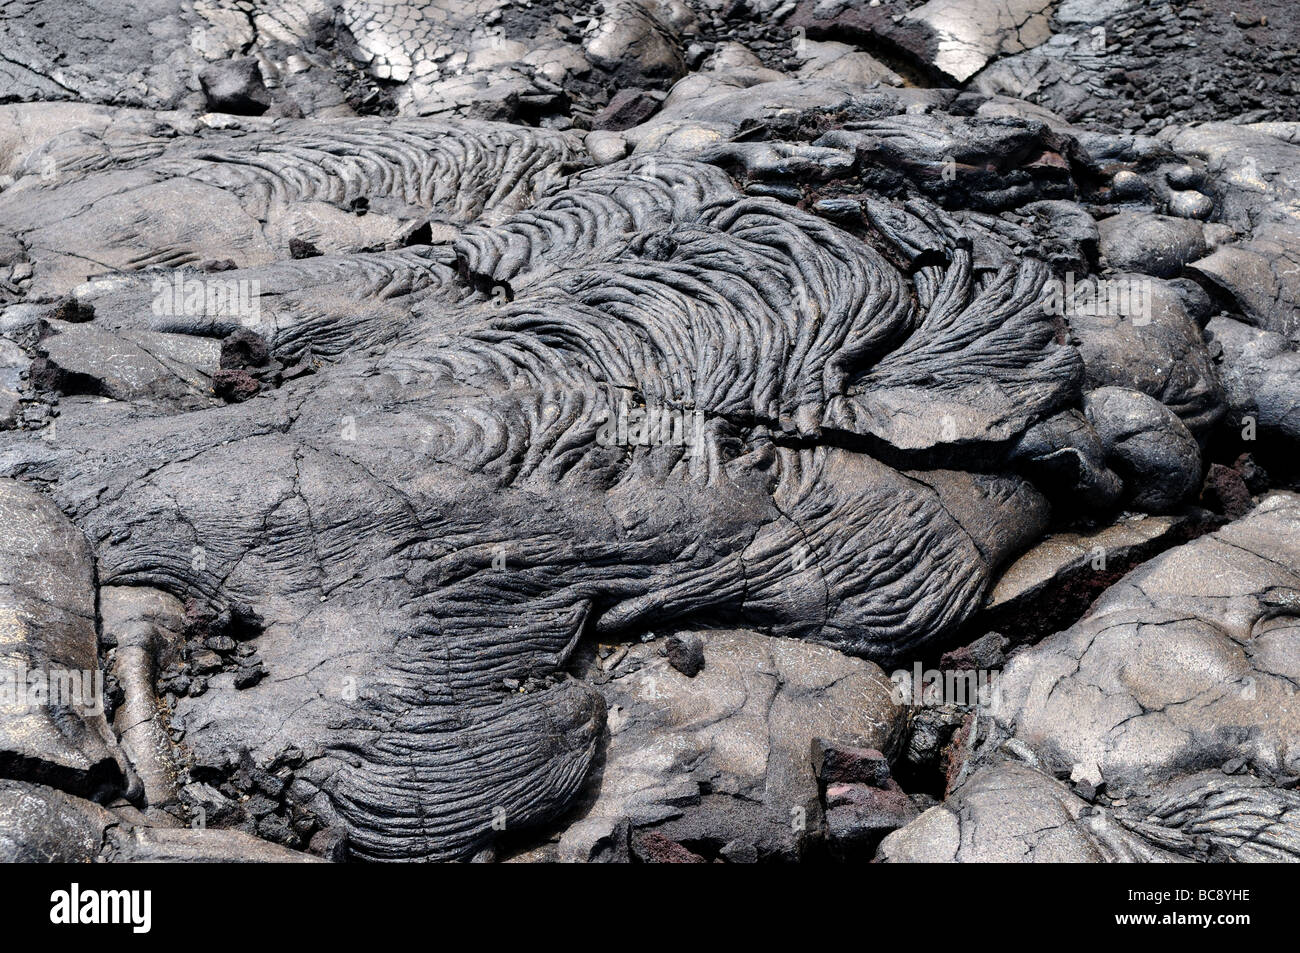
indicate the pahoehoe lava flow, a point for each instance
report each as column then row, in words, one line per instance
column 566, row 431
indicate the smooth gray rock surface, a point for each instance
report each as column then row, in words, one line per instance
column 1011, row 814
column 1150, row 344
column 1261, row 375
column 726, row 754
column 1183, row 665
column 1147, row 445
column 1157, row 245
column 52, row 725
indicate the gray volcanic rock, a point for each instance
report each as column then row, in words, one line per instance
column 725, row 755
column 965, row 34
column 487, row 58
column 235, row 86
column 1065, row 455
column 709, row 108
column 243, row 194
column 135, row 365
column 494, row 374
column 40, row 824
column 1183, row 665
column 143, row 629
column 1255, row 171
column 1151, row 344
column 13, row 367
column 1156, row 245
column 138, row 844
column 126, row 53
column 954, row 38
column 636, row 42
column 1143, row 67
column 1211, row 816
column 1024, row 593
column 52, row 725
column 1147, row 445
column 469, row 429
column 1261, row 375
column 976, row 162
column 1168, row 706
column 841, row 62
column 1011, row 813
column 859, row 815
column 627, row 108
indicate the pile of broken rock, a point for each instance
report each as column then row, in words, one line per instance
column 316, row 321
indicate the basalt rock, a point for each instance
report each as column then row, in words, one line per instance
column 235, row 86
column 454, row 466
column 40, row 824
column 1058, row 578
column 1166, row 706
column 951, row 38
column 1153, row 245
column 52, row 725
column 470, row 430
column 1143, row 717
column 1150, row 343
column 1147, row 445
column 1261, row 371
column 727, row 757
column 1011, row 813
